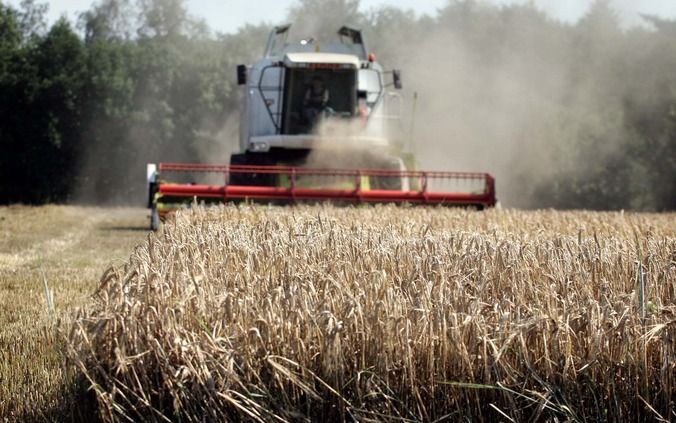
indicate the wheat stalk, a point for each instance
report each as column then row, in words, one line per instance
column 386, row 313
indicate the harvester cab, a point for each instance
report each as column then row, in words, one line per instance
column 307, row 96
column 318, row 122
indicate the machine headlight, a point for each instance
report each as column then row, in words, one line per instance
column 258, row 147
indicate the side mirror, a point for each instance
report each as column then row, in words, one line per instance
column 241, row 74
column 396, row 76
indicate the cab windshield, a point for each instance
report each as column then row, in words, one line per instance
column 312, row 94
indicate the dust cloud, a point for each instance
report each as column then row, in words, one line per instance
column 504, row 90
column 340, row 144
column 515, row 104
column 492, row 115
column 563, row 114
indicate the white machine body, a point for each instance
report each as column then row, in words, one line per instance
column 275, row 90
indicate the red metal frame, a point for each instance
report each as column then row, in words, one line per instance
column 356, row 194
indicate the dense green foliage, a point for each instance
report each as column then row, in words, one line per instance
column 85, row 105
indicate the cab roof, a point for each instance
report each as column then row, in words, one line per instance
column 300, row 59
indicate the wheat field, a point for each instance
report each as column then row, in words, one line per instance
column 64, row 249
column 387, row 314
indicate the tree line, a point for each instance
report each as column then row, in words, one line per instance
column 579, row 115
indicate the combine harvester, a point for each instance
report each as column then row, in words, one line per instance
column 312, row 128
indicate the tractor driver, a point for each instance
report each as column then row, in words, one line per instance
column 316, row 99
